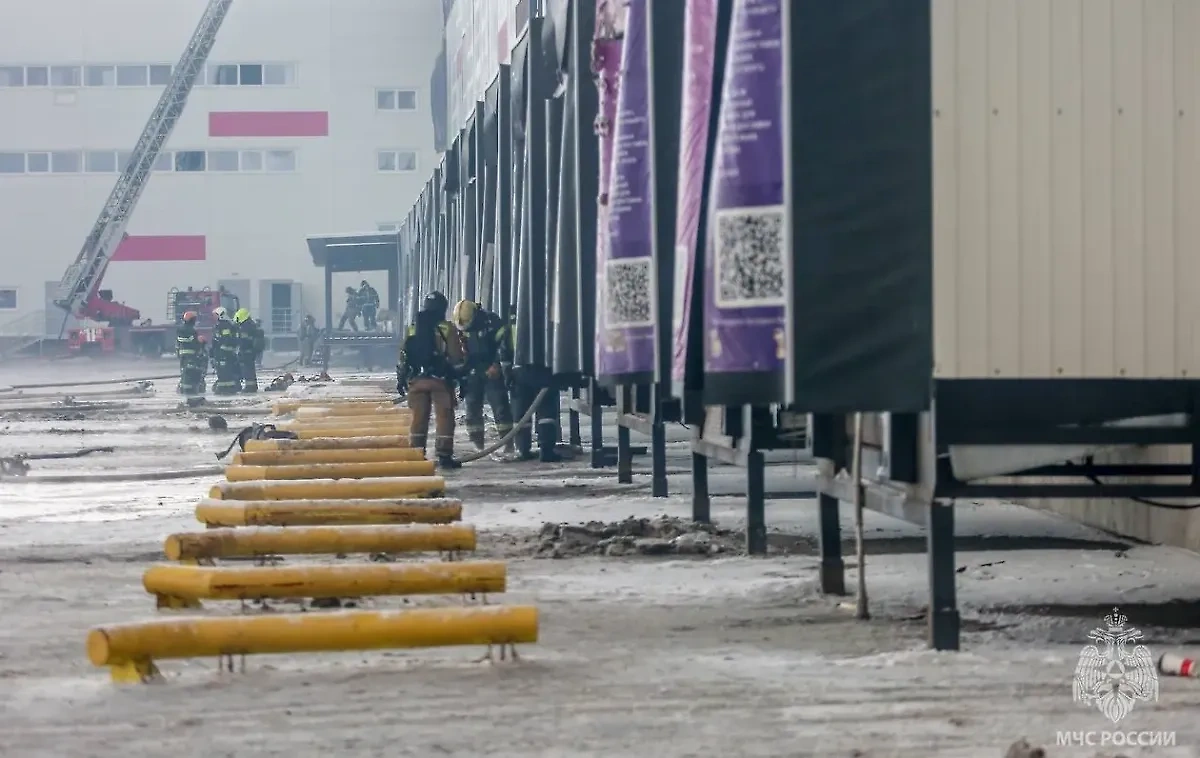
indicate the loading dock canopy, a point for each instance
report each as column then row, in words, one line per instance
column 371, row 251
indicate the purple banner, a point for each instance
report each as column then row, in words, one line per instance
column 627, row 295
column 745, row 287
column 700, row 39
column 606, row 66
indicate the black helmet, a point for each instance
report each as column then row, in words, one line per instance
column 435, row 302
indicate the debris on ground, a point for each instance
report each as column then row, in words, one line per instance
column 281, row 383
column 218, row 424
column 1022, row 749
column 663, row 535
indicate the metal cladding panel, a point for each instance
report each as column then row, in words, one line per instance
column 1066, row 181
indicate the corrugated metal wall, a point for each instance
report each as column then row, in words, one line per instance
column 1067, row 181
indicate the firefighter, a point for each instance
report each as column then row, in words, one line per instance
column 193, row 358
column 250, row 344
column 353, row 308
column 489, row 360
column 308, row 340
column 432, row 358
column 368, row 298
column 525, row 383
column 225, row 354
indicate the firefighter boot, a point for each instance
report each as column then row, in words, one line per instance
column 477, row 440
column 448, row 462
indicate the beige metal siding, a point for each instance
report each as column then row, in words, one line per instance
column 1066, row 181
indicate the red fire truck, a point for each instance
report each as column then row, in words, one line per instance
column 146, row 338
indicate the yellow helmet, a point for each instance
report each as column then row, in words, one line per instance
column 464, row 313
column 242, row 316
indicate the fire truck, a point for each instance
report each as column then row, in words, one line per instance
column 144, row 337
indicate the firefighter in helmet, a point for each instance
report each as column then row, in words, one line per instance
column 251, row 342
column 193, row 358
column 431, row 360
column 225, row 354
column 489, row 343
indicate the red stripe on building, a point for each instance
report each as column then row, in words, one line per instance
column 268, row 124
column 169, row 247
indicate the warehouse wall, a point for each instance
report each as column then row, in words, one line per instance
column 334, row 57
column 1067, row 173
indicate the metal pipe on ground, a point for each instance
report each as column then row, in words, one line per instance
column 331, row 443
column 331, row 489
column 296, row 457
column 185, row 586
column 338, row 471
column 316, row 432
column 100, row 477
column 130, row 650
column 291, row 513
column 319, row 540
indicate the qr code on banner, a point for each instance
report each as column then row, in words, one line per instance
column 628, row 293
column 750, row 257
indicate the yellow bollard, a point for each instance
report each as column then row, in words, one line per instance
column 331, row 471
column 228, row 513
column 311, row 412
column 331, row 489
column 184, row 586
column 381, row 430
column 365, row 422
column 298, row 457
column 282, row 407
column 331, row 443
column 319, row 540
column 130, row 650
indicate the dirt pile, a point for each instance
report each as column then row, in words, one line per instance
column 636, row 536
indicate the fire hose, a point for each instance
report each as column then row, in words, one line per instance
column 524, row 422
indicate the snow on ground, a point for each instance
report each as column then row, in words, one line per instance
column 666, row 656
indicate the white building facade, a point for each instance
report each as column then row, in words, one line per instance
column 313, row 117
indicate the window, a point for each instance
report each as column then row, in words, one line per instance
column 100, row 76
column 160, row 75
column 279, row 74
column 223, row 75
column 281, row 160
column 12, row 163
column 12, row 76
column 396, row 160
column 100, row 162
column 8, row 298
column 252, row 160
column 65, row 76
column 66, row 162
column 222, row 160
column 37, row 76
column 171, row 161
column 250, row 75
column 38, row 163
column 132, row 76
column 396, row 100
column 189, row 160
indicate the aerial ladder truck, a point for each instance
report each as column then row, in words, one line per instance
column 79, row 292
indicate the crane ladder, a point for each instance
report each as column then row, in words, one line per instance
column 83, row 277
